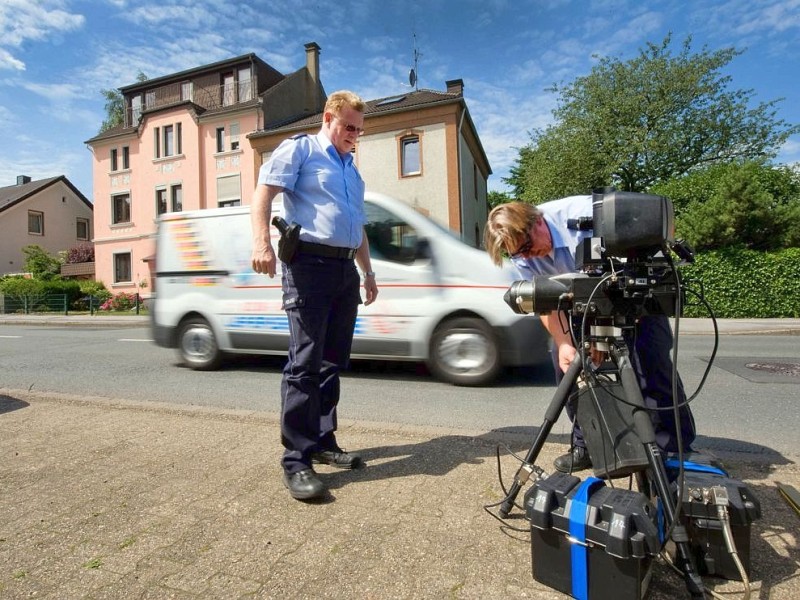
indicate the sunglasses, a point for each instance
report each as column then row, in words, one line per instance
column 350, row 128
column 524, row 248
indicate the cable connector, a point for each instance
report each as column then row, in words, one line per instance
column 526, row 471
column 718, row 496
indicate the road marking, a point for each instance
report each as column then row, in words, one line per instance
column 10, row 337
column 133, row 340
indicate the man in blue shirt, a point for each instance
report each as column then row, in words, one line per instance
column 540, row 243
column 323, row 193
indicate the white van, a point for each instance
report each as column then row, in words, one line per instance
column 440, row 301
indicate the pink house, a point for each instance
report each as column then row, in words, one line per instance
column 182, row 146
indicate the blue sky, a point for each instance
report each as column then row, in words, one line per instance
column 56, row 56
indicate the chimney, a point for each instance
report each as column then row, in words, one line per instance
column 455, row 86
column 23, row 179
column 313, row 104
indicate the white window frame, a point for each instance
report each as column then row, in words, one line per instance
column 35, row 222
column 85, row 222
column 162, row 205
column 116, row 257
column 176, row 197
column 114, row 198
column 404, row 144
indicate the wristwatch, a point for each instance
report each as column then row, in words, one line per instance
column 369, row 274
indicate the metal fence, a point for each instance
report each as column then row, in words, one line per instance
column 45, row 303
column 49, row 303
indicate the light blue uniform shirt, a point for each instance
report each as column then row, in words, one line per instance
column 565, row 240
column 322, row 191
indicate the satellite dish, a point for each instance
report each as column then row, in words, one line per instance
column 412, row 78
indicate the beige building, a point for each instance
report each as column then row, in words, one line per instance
column 196, row 139
column 420, row 147
column 50, row 213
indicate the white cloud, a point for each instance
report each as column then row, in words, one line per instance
column 24, row 21
column 8, row 62
column 789, row 153
column 55, row 92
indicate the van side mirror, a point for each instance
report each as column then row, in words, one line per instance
column 423, row 249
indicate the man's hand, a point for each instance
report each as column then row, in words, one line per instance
column 566, row 354
column 263, row 259
column 371, row 289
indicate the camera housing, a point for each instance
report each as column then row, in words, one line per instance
column 624, row 267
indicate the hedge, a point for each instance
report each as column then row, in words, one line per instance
column 740, row 283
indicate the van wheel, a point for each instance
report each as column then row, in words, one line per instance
column 198, row 346
column 464, row 351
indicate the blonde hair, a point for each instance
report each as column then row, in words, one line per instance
column 338, row 100
column 507, row 224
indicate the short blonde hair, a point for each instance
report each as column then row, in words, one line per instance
column 507, row 224
column 338, row 100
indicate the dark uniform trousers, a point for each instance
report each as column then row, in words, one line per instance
column 650, row 347
column 321, row 297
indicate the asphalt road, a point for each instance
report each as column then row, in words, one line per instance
column 743, row 407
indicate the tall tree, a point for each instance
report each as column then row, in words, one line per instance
column 115, row 106
column 649, row 119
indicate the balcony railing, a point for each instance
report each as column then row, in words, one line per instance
column 209, row 97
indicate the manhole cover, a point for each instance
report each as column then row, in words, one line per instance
column 791, row 369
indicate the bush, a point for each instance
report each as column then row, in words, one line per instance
column 741, row 283
column 121, row 302
column 82, row 253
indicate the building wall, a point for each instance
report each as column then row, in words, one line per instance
column 61, row 208
column 379, row 164
column 473, row 205
column 196, row 169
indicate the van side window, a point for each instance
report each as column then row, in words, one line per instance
column 390, row 238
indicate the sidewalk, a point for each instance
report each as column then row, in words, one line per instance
column 104, row 498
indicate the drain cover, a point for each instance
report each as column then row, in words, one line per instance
column 791, row 369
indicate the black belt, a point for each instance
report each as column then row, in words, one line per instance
column 324, row 250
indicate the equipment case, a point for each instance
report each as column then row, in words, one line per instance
column 706, row 529
column 591, row 541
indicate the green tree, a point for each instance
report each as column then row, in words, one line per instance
column 115, row 106
column 752, row 205
column 495, row 198
column 40, row 263
column 749, row 205
column 655, row 117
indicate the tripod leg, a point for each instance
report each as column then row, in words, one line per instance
column 645, row 431
column 554, row 409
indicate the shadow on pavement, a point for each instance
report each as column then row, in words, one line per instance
column 9, row 404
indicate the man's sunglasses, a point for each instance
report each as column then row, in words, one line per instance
column 350, row 128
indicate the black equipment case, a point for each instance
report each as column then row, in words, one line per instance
column 703, row 476
column 589, row 540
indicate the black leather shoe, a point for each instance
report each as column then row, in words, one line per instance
column 338, row 458
column 304, row 484
column 577, row 460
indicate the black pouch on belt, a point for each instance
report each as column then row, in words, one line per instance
column 289, row 240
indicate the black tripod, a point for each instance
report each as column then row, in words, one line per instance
column 618, row 352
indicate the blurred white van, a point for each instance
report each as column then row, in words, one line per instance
column 440, row 301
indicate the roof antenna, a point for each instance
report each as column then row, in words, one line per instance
column 412, row 75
